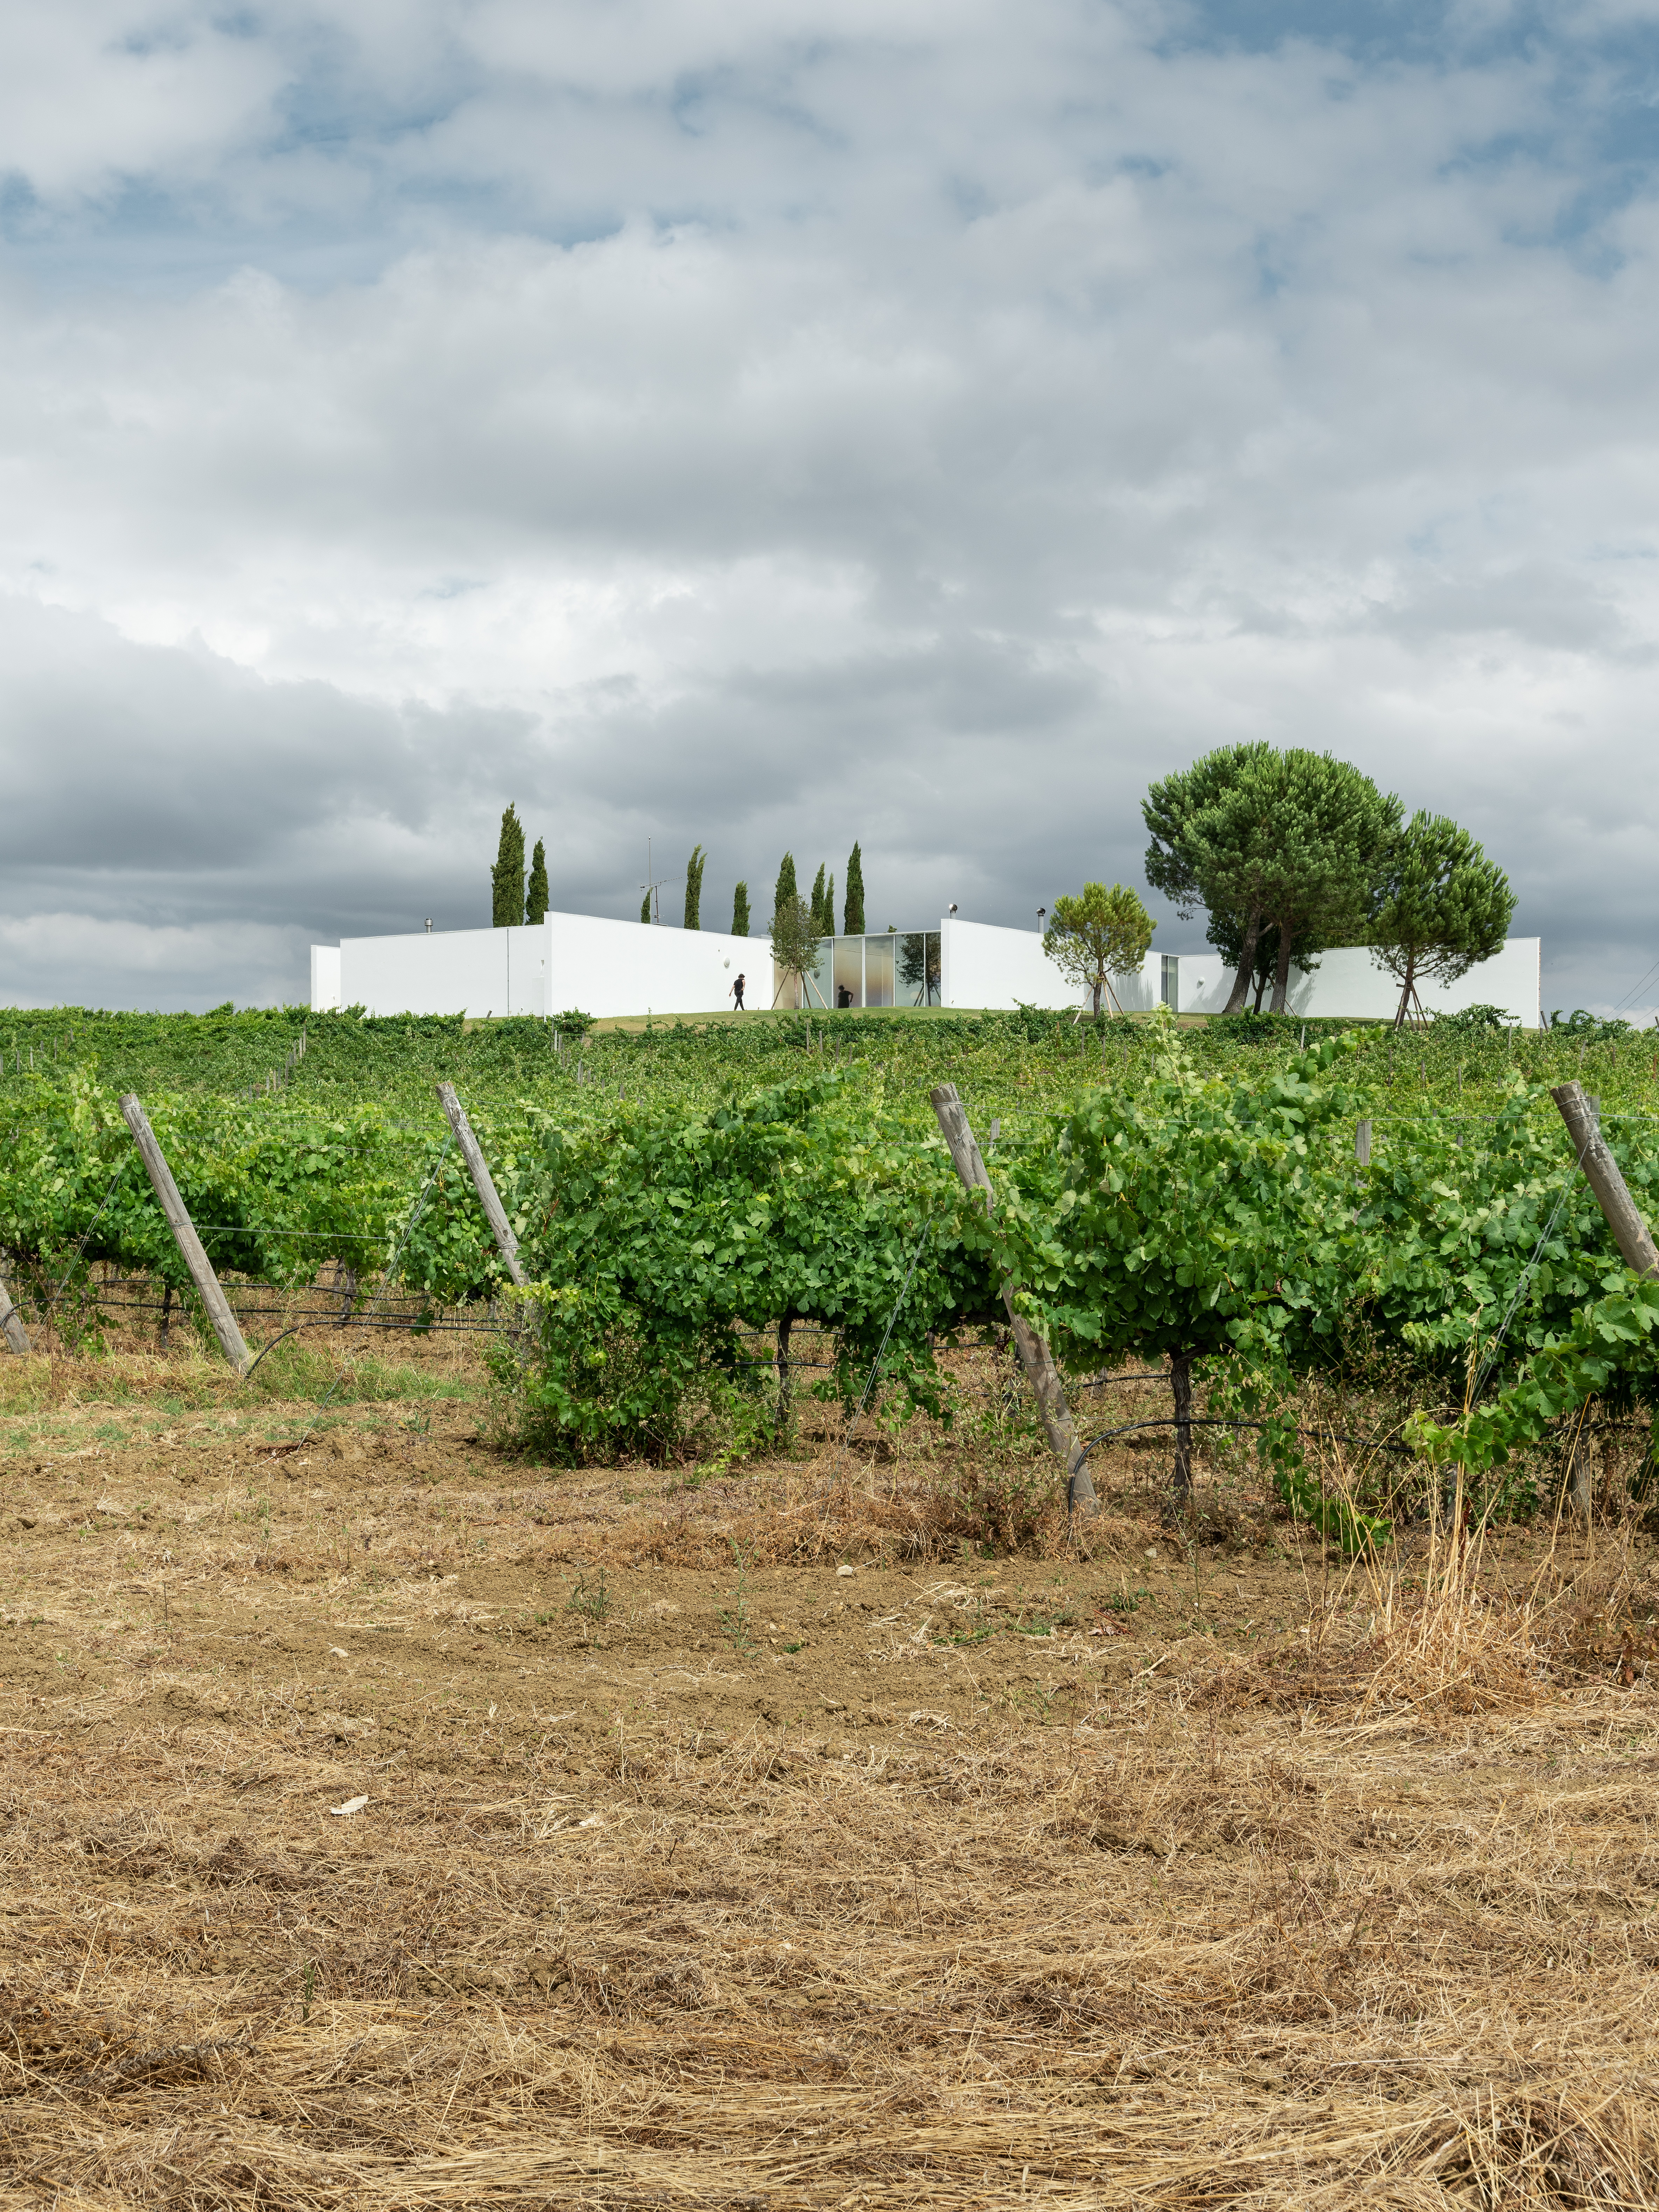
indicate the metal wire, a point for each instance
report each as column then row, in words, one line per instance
column 86, row 1240
column 926, row 1230
column 1215, row 1421
column 402, row 1242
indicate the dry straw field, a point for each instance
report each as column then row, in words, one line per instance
column 764, row 1837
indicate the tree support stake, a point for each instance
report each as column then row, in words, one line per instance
column 494, row 1212
column 184, row 1235
column 1631, row 1233
column 11, row 1324
column 1035, row 1355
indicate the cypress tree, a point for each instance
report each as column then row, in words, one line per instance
column 535, row 899
column 829, row 906
column 506, row 876
column 740, row 911
column 694, row 868
column 644, row 907
column 855, row 893
column 815, row 904
column 788, row 888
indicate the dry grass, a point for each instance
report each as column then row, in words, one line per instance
column 1141, row 1962
column 642, row 1912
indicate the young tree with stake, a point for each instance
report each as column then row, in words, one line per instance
column 794, row 945
column 1441, row 906
column 1102, row 934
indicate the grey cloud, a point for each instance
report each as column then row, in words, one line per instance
column 925, row 426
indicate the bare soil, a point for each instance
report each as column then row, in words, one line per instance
column 389, row 1823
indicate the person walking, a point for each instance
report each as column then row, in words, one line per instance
column 736, row 992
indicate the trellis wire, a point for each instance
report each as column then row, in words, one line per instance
column 875, row 1369
column 409, row 1230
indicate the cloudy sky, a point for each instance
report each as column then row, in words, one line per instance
column 768, row 425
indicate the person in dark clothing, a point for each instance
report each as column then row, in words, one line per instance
column 737, row 992
column 843, row 995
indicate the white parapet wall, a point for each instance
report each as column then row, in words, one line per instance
column 630, row 968
column 324, row 979
column 1349, row 983
column 570, row 960
column 981, row 966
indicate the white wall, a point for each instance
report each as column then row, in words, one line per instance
column 452, row 971
column 1348, row 982
column 324, row 979
column 635, row 968
column 981, row 966
column 628, row 967
column 570, row 960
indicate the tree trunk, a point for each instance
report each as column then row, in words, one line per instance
column 1282, row 977
column 1240, row 989
column 1261, row 994
column 1097, row 994
column 1406, row 993
column 1181, row 1375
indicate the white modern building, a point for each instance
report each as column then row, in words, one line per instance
column 630, row 968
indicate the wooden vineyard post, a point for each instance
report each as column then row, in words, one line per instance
column 1631, row 1233
column 1362, row 1142
column 184, row 1235
column 10, row 1322
column 494, row 1212
column 1035, row 1355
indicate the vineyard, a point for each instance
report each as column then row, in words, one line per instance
column 655, row 1735
column 712, row 1215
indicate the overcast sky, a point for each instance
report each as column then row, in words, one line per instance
column 772, row 425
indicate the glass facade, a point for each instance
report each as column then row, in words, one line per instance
column 920, row 969
column 901, row 968
column 878, row 971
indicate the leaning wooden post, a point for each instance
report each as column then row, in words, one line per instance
column 1631, row 1233
column 10, row 1322
column 1037, row 1359
column 184, row 1234
column 494, row 1212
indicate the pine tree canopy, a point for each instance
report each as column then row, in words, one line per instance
column 740, row 911
column 1293, row 839
column 535, row 895
column 1440, row 906
column 855, row 893
column 506, row 876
